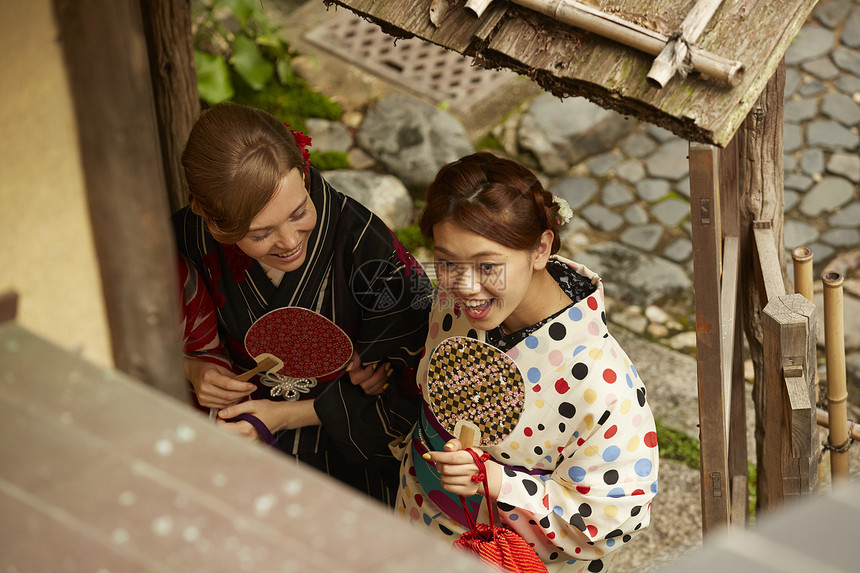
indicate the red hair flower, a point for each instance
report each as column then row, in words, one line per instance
column 303, row 141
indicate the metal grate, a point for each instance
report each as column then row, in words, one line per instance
column 413, row 64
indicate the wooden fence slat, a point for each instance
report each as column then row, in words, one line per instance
column 769, row 269
column 705, row 211
column 728, row 314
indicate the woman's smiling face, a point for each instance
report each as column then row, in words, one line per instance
column 278, row 235
column 488, row 280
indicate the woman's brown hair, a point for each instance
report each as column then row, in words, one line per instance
column 234, row 160
column 494, row 197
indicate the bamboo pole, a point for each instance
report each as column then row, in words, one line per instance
column 675, row 55
column 576, row 14
column 837, row 392
column 802, row 259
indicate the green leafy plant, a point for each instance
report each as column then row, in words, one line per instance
column 329, row 160
column 241, row 56
column 412, row 238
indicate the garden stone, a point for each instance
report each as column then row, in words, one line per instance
column 328, row 135
column 845, row 164
column 792, row 137
column 636, row 215
column 812, row 161
column 633, row 277
column 604, row 163
column 793, row 78
column 658, row 330
column 656, row 314
column 848, row 60
column 789, row 163
column 652, row 189
column 799, row 110
column 831, row 14
column 683, row 341
column 848, row 85
column 812, row 89
column 826, row 196
column 412, row 139
column 844, row 237
column 645, row 237
column 630, row 171
column 830, row 135
column 630, row 318
column 561, row 133
column 679, row 250
column 848, row 216
column 841, row 108
column 578, row 191
column 851, row 31
column 576, row 235
column 821, row 68
column 669, row 161
column 358, row 159
column 798, row 182
column 660, row 134
column 821, row 252
column 810, row 43
column 792, row 198
column 385, row 195
column 638, row 145
column 798, row 234
column 671, row 211
column 602, row 218
column 682, row 187
column 615, row 194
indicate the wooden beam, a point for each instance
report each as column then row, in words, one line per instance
column 705, row 212
column 105, row 56
column 8, row 306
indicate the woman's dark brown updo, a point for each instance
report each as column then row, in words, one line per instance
column 494, row 197
column 235, row 158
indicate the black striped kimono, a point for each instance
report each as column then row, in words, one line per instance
column 358, row 275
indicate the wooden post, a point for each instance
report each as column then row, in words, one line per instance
column 167, row 24
column 105, row 55
column 760, row 180
column 789, row 456
column 705, row 211
column 837, row 391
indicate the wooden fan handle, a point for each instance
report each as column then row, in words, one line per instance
column 468, row 434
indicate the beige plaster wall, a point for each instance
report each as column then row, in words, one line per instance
column 48, row 255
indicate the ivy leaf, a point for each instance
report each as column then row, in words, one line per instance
column 285, row 71
column 213, row 78
column 241, row 9
column 250, row 64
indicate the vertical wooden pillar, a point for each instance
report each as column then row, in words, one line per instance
column 106, row 61
column 167, row 24
column 705, row 213
column 760, row 180
column 789, row 467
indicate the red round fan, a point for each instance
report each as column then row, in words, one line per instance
column 311, row 347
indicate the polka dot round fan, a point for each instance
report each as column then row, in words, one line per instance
column 476, row 391
column 311, row 347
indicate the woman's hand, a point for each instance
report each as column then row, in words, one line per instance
column 373, row 378
column 276, row 416
column 456, row 468
column 214, row 385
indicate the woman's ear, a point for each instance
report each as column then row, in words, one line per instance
column 543, row 250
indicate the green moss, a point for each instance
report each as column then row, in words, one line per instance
column 412, row 238
column 329, row 160
column 678, row 446
column 489, row 141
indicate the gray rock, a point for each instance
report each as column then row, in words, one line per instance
column 328, row 135
column 826, row 196
column 830, row 135
column 679, row 250
column 615, row 194
column 383, row 194
column 800, row 110
column 798, row 234
column 636, row 215
column 644, row 238
column 812, row 89
column 631, row 320
column 821, row 252
column 792, row 137
column 603, row 163
column 412, row 139
column 848, row 84
column 683, row 341
column 845, row 237
column 631, row 170
column 633, row 277
column 851, row 31
column 358, row 159
column 847, row 216
column 821, row 68
column 652, row 189
column 847, row 60
column 638, row 145
column 798, row 182
column 560, row 133
column 660, row 134
column 602, row 218
column 841, row 108
column 682, row 187
column 792, row 198
column 671, row 211
column 688, row 227
column 845, row 164
column 669, row 161
column 812, row 161
column 793, row 78
column 809, row 44
column 831, row 14
column 578, row 191
column 789, row 163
